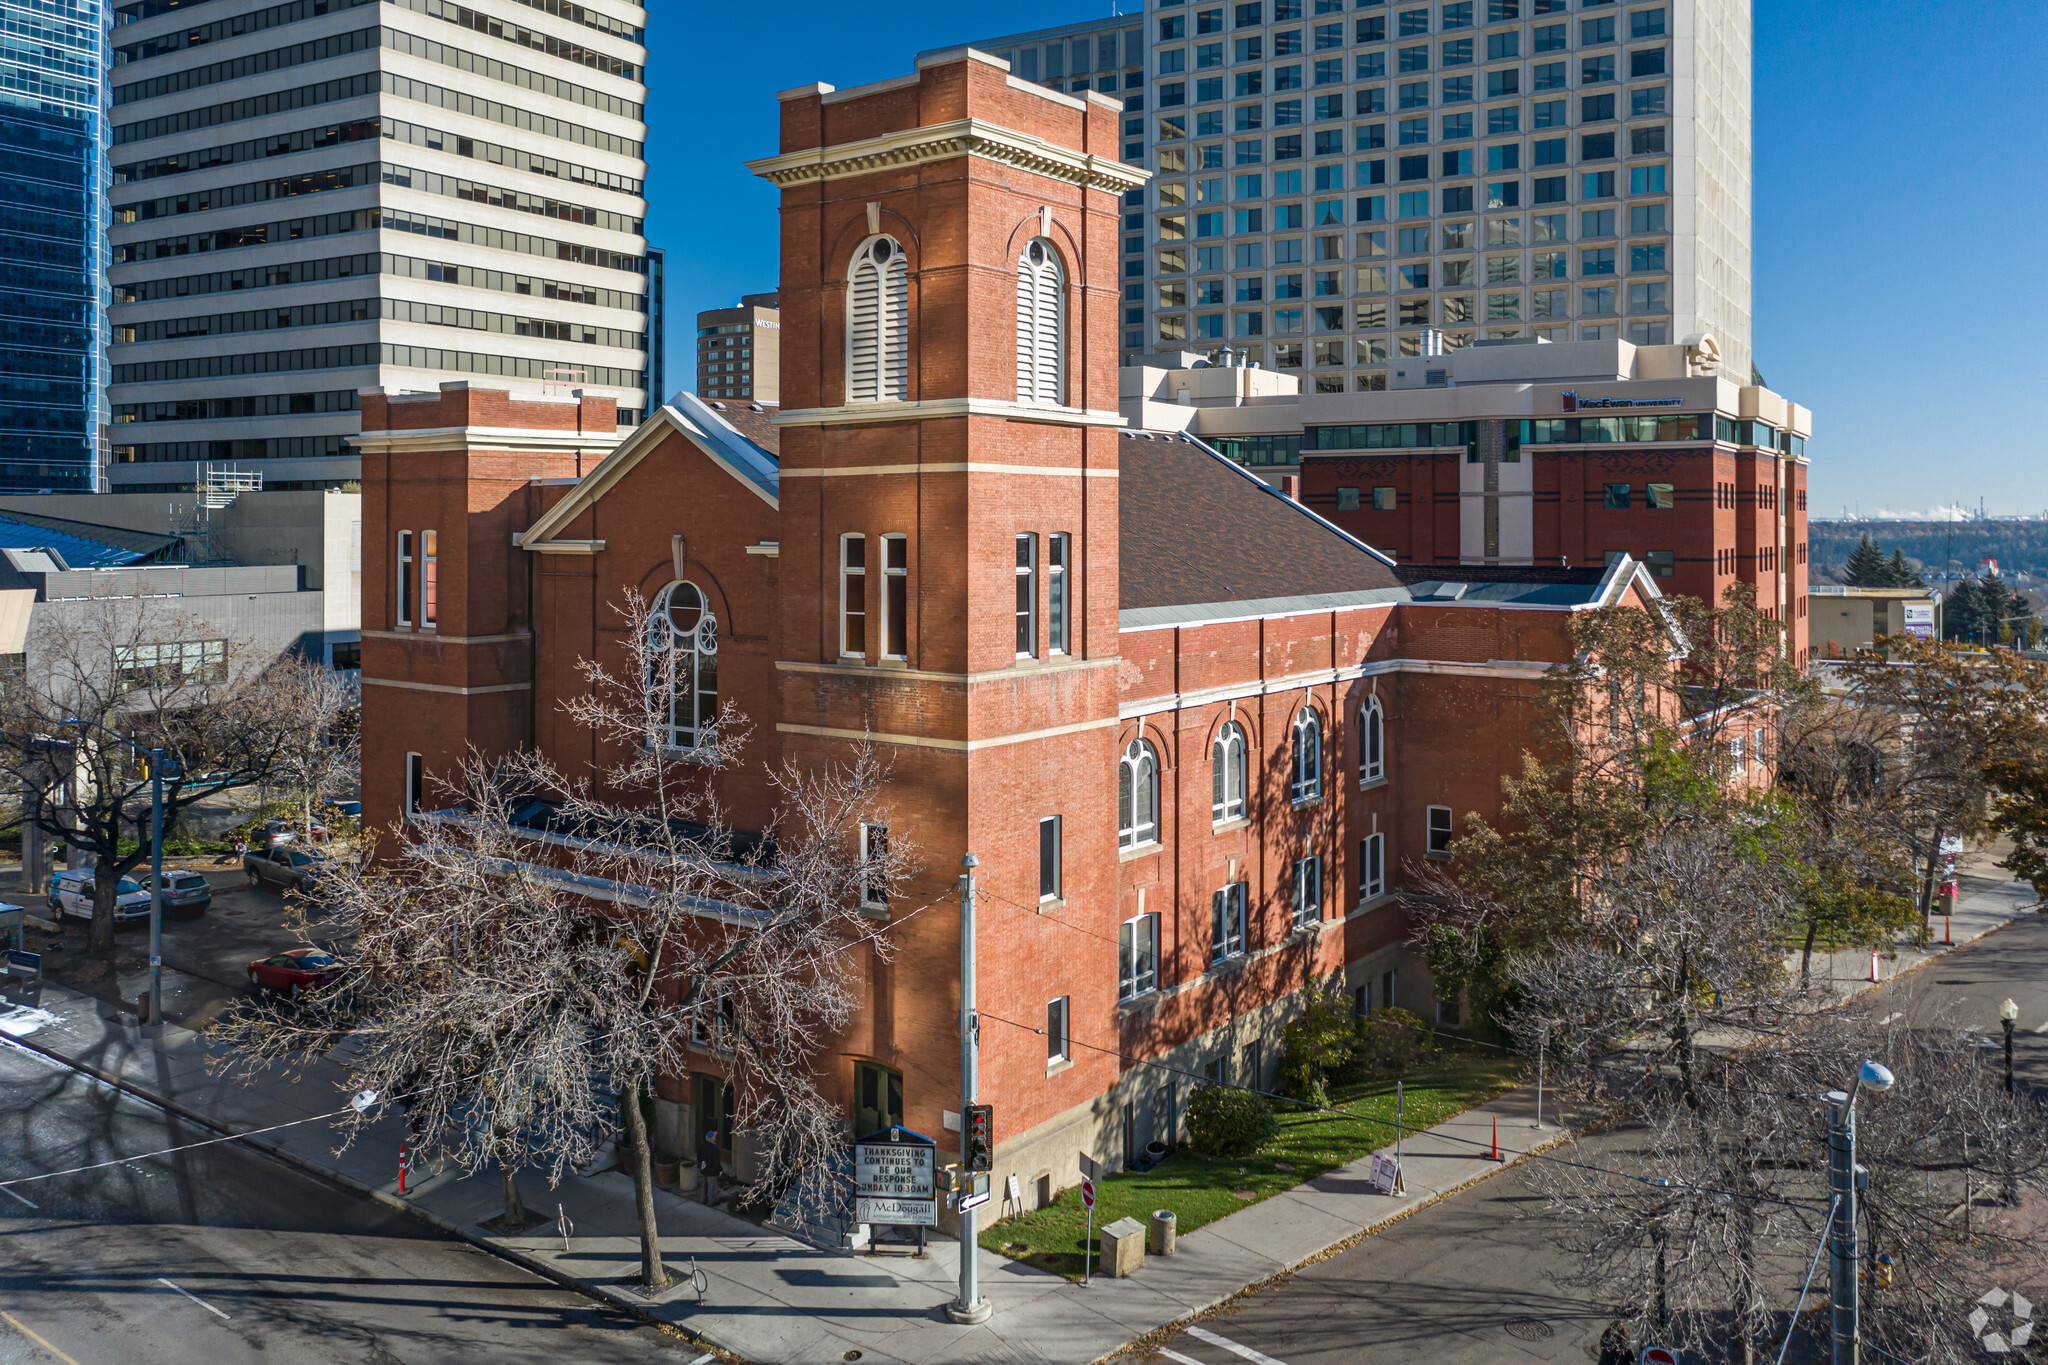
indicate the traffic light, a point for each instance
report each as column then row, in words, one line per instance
column 981, row 1137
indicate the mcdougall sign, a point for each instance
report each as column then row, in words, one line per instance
column 1574, row 403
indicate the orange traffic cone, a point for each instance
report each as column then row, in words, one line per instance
column 1496, row 1137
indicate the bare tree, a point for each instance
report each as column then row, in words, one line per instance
column 120, row 670
column 1673, row 1012
column 318, row 713
column 528, row 961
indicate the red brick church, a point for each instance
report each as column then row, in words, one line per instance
column 1192, row 730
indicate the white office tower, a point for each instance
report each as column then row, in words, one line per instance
column 322, row 196
column 1336, row 180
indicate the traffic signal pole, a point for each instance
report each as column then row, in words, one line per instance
column 970, row 1307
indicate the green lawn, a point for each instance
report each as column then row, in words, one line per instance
column 1309, row 1143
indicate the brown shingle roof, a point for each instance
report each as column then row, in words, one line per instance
column 1196, row 529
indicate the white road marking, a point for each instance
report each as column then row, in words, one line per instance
column 1171, row 1354
column 194, row 1297
column 1886, row 1020
column 12, row 1195
column 2042, row 1029
column 1255, row 1357
column 701, row 1359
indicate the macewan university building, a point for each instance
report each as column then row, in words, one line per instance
column 1195, row 730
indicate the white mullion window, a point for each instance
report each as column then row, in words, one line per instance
column 895, row 596
column 1308, row 890
column 1027, row 596
column 1227, row 773
column 1138, row 957
column 405, row 579
column 1057, row 578
column 1372, row 730
column 1372, row 867
column 874, row 861
column 853, row 595
column 1226, row 922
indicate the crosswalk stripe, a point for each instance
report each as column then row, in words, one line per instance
column 1177, row 1357
column 1255, row 1357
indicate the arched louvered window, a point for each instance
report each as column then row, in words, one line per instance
column 682, row 687
column 877, row 324
column 1041, row 325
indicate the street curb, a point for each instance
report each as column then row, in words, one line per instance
column 288, row 1158
column 1159, row 1335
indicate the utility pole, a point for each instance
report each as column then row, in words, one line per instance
column 156, row 886
column 1846, row 1331
column 970, row 1307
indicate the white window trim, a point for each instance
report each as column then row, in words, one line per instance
column 429, row 569
column 888, row 337
column 1429, row 827
column 1041, row 325
column 1137, row 755
column 1234, row 904
column 1234, row 803
column 852, row 582
column 1308, row 910
column 406, row 576
column 415, row 795
column 1026, row 573
column 1059, row 601
column 1372, row 871
column 1372, row 725
column 1133, row 987
column 868, row 831
column 1059, row 870
column 899, row 540
column 1305, row 787
column 1066, row 1037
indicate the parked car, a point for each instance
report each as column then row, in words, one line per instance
column 299, row 969
column 285, row 867
column 185, row 893
column 71, row 894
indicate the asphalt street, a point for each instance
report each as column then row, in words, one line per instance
column 1474, row 1281
column 218, row 1256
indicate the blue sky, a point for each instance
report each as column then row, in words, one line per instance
column 1898, row 215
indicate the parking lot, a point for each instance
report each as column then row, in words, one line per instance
column 206, row 956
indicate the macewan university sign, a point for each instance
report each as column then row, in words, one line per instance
column 1574, row 403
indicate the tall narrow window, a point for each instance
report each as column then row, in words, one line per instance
column 1056, row 1044
column 1049, row 858
column 1372, row 759
column 1372, row 867
column 405, row 579
column 415, row 784
column 1305, row 781
column 1439, row 831
column 1308, row 891
column 877, row 324
column 1027, row 596
column 430, row 578
column 895, row 596
column 874, row 867
column 1041, row 305
column 1137, row 796
column 853, row 595
column 683, row 684
column 1137, row 957
column 1226, row 922
column 1056, row 550
column 1226, row 761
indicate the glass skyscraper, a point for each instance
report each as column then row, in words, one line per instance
column 53, row 244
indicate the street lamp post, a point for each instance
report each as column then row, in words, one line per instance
column 2008, row 1015
column 1846, row 1335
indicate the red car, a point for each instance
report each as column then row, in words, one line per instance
column 300, row 969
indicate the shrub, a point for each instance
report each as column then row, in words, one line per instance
column 1390, row 1043
column 1223, row 1122
column 1320, row 1040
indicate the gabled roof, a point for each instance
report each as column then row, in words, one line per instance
column 1200, row 537
column 693, row 419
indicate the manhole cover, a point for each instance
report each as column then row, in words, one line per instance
column 1529, row 1329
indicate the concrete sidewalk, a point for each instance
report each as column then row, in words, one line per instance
column 770, row 1298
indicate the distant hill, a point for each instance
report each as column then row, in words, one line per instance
column 2016, row 545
